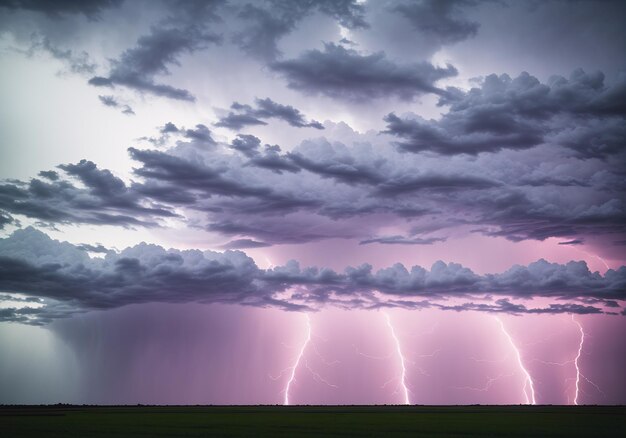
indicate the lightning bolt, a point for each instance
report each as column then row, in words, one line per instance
column 402, row 379
column 580, row 375
column 528, row 382
column 292, row 376
column 580, row 351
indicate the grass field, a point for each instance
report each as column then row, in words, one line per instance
column 310, row 421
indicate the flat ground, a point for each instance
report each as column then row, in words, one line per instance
column 310, row 421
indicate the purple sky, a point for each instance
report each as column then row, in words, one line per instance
column 324, row 202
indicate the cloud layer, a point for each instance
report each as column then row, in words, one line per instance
column 327, row 189
column 581, row 113
column 67, row 281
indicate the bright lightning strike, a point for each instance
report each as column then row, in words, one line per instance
column 580, row 375
column 292, row 376
column 405, row 390
column 529, row 381
column 580, row 351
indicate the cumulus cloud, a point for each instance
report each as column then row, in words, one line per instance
column 581, row 113
column 329, row 189
column 245, row 115
column 64, row 277
column 344, row 73
column 270, row 158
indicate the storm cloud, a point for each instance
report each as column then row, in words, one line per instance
column 266, row 23
column 582, row 113
column 104, row 198
column 62, row 275
column 245, row 115
column 344, row 73
column 137, row 67
column 403, row 157
column 323, row 189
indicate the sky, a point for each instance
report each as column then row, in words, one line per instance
column 313, row 202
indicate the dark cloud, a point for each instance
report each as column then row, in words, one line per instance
column 436, row 182
column 137, row 67
column 505, row 306
column 519, row 217
column 238, row 121
column 328, row 161
column 63, row 275
column 323, row 190
column 49, row 174
column 346, row 171
column 581, row 113
column 572, row 242
column 144, row 273
column 93, row 248
column 199, row 137
column 91, row 9
column 402, row 240
column 110, row 101
column 265, row 29
column 246, row 144
column 5, row 219
column 105, row 199
column 169, row 127
column 268, row 22
column 442, row 19
column 346, row 74
column 183, row 174
column 270, row 158
column 244, row 244
column 266, row 108
column 218, row 190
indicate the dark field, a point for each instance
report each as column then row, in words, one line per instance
column 279, row 421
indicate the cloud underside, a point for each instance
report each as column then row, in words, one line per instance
column 343, row 73
column 67, row 281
